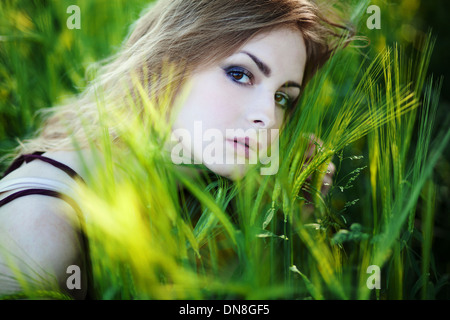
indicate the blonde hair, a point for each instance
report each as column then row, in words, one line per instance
column 189, row 33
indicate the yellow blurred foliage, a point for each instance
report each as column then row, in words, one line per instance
column 22, row 21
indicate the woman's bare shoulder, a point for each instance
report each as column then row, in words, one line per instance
column 40, row 235
column 39, row 239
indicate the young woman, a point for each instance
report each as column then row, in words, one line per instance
column 244, row 64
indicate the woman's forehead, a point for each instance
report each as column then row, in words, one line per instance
column 277, row 51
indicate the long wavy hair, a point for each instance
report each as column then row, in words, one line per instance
column 188, row 33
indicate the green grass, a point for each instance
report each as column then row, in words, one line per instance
column 252, row 239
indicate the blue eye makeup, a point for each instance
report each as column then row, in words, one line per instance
column 242, row 76
column 239, row 75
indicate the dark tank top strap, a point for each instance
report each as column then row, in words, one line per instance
column 16, row 164
column 57, row 164
column 43, row 192
column 38, row 155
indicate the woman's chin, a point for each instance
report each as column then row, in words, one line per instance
column 230, row 171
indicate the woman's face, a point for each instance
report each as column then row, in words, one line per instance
column 233, row 109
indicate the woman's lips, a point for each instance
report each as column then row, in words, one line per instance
column 243, row 145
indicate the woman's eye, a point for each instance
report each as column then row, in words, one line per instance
column 239, row 75
column 282, row 99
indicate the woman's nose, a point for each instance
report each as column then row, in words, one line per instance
column 261, row 112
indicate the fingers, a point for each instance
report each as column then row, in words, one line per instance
column 327, row 182
column 312, row 141
column 328, row 178
column 331, row 170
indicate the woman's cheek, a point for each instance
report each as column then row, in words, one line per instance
column 224, row 103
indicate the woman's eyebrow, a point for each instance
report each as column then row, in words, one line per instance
column 293, row 84
column 265, row 69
